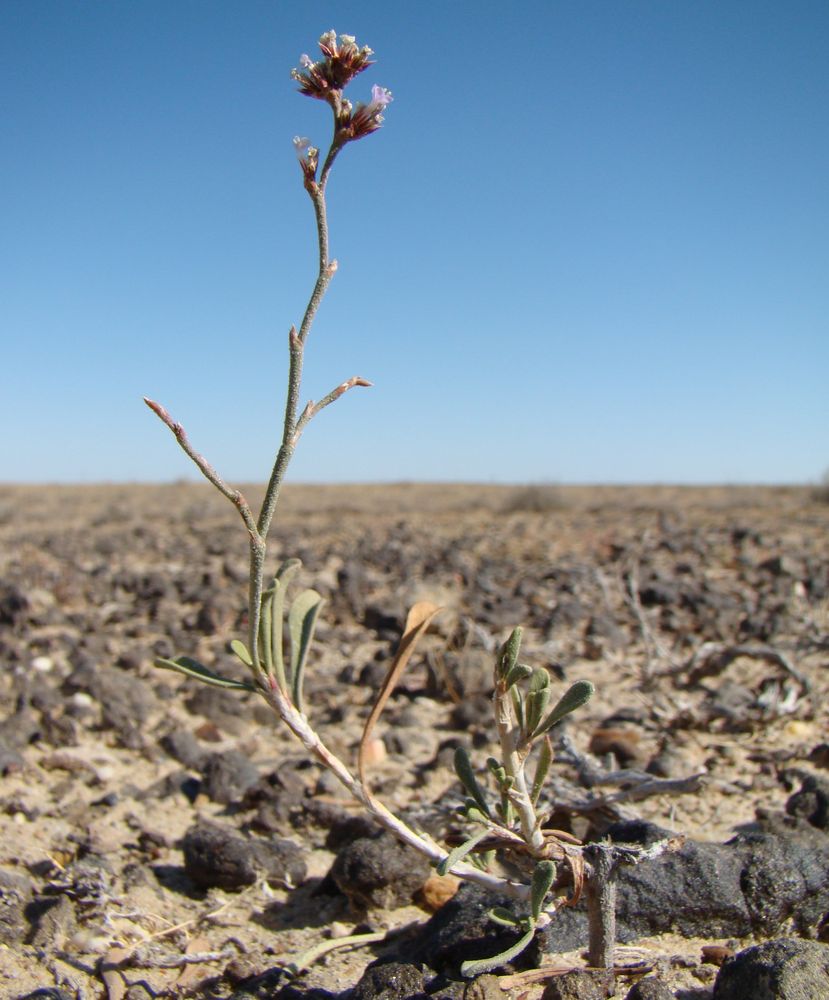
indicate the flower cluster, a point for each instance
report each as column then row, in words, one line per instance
column 342, row 61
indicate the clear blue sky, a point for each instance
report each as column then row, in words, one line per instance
column 590, row 244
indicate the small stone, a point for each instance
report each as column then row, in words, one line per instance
column 785, row 969
column 379, row 872
column 183, row 747
column 392, row 981
column 217, row 858
column 650, row 988
column 580, row 985
column 485, row 987
column 437, row 890
column 15, row 895
column 716, row 954
column 227, row 776
column 43, row 664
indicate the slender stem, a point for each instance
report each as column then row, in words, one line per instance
column 301, row 728
column 207, row 470
column 327, row 269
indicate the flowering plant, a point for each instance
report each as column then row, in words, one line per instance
column 512, row 825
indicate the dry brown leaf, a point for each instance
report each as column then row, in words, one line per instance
column 418, row 620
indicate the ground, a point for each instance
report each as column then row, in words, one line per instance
column 622, row 586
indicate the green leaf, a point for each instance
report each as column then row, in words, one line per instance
column 265, row 633
column 508, row 656
column 577, row 695
column 280, row 584
column 474, row 815
column 241, row 650
column 543, row 876
column 302, row 620
column 460, row 852
column 470, row 969
column 499, row 915
column 538, row 698
column 463, row 769
column 192, row 668
column 518, row 706
column 542, row 769
column 520, row 672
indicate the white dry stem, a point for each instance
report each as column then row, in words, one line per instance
column 299, row 725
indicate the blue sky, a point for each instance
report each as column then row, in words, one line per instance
column 590, row 244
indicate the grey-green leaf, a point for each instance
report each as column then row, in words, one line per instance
column 509, row 653
column 543, row 875
column 241, row 650
column 192, row 668
column 283, row 577
column 577, row 695
column 302, row 620
column 520, row 672
column 463, row 769
column 460, row 852
column 499, row 915
column 542, row 769
column 470, row 969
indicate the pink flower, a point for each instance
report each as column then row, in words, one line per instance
column 368, row 117
column 341, row 63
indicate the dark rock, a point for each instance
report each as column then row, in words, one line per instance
column 580, row 985
column 473, row 713
column 227, row 709
column 379, row 872
column 126, row 701
column 49, row 993
column 175, row 783
column 391, row 981
column 10, row 761
column 227, row 775
column 53, row 918
column 215, row 857
column 183, row 746
column 485, row 987
column 462, row 931
column 20, row 729
column 776, row 970
column 650, row 988
column 602, row 634
column 811, row 802
column 14, row 604
column 15, row 895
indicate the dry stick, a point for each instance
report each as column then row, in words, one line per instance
column 600, row 892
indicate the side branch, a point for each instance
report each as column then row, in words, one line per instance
column 206, row 469
column 312, row 409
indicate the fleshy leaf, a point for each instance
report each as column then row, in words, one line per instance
column 283, row 577
column 543, row 875
column 460, row 852
column 509, row 653
column 538, row 698
column 463, row 769
column 192, row 668
column 520, row 672
column 542, row 769
column 241, row 650
column 577, row 695
column 470, row 969
column 499, row 915
column 302, row 620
